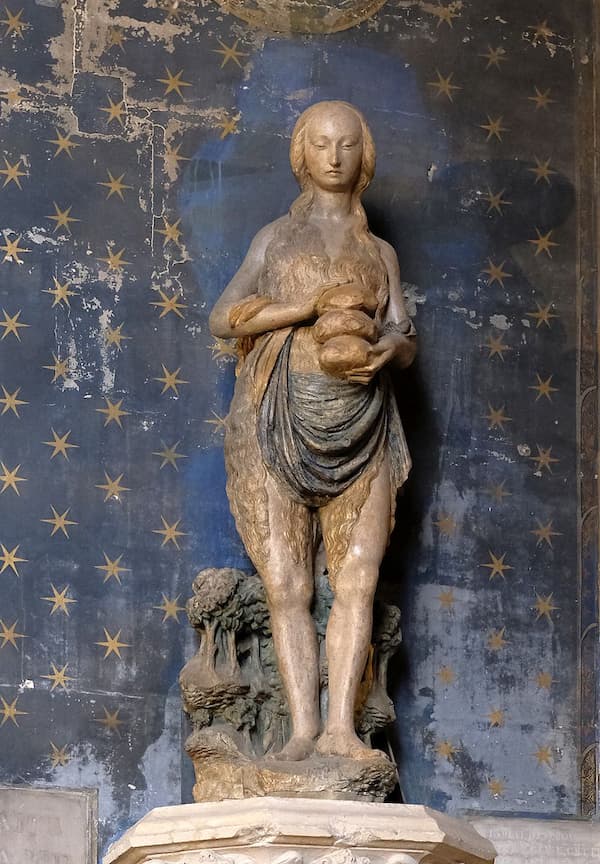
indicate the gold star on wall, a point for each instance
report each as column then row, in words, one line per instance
column 543, row 243
column 170, row 380
column 170, row 608
column 444, row 86
column 115, row 185
column 112, row 568
column 544, row 459
column 169, row 455
column 59, row 522
column 498, row 492
column 170, row 231
column 10, row 711
column 445, row 749
column 60, row 601
column 229, row 53
column 543, row 388
column 169, row 304
column 544, row 533
column 496, row 717
column 446, row 525
column 110, row 721
column 112, row 644
column 496, row 273
column 496, row 347
column 60, row 293
column 10, row 559
column 12, row 173
column 496, row 787
column 544, row 680
column 12, row 324
column 116, row 38
column 114, row 259
column 446, row 675
column 60, row 444
column 169, row 532
column 447, row 599
column 14, row 24
column 496, row 565
column 172, row 158
column 115, row 111
column 113, row 412
column 543, row 756
column 114, row 336
column 62, row 218
column 496, row 640
column 217, row 421
column 542, row 30
column 494, row 128
column 542, row 171
column 223, row 349
column 112, row 487
column 58, row 677
column 496, row 201
column 444, row 14
column 495, row 56
column 543, row 315
column 12, row 250
column 60, row 368
column 229, row 126
column 11, row 402
column 63, row 144
column 542, row 100
column 9, row 635
column 10, row 479
column 544, row 607
column 58, row 755
column 496, row 418
column 173, row 83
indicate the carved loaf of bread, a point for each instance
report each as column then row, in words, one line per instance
column 350, row 295
column 344, row 322
column 342, row 354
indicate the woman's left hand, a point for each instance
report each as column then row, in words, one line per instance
column 380, row 354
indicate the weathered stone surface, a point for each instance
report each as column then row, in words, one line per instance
column 47, row 826
column 279, row 831
column 541, row 841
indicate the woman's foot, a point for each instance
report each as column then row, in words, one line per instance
column 297, row 749
column 347, row 744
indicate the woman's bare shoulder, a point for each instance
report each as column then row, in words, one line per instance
column 263, row 237
column 388, row 253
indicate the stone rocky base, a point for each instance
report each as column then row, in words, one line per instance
column 299, row 831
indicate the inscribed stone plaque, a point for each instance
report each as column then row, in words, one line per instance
column 541, row 841
column 47, row 826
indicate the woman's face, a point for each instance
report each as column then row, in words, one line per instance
column 333, row 148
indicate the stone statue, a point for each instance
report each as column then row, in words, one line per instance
column 314, row 447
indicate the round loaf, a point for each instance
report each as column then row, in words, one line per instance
column 342, row 354
column 352, row 295
column 344, row 322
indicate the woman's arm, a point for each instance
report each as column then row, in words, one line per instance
column 240, row 312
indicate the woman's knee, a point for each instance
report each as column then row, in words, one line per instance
column 288, row 589
column 355, row 584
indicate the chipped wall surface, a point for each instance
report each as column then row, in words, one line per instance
column 143, row 145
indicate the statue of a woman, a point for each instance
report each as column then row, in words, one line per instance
column 314, row 445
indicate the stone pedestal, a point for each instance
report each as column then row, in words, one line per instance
column 299, row 831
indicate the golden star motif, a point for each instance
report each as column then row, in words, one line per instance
column 116, row 38
column 446, row 675
column 496, row 640
column 114, row 336
column 217, row 421
column 172, row 158
column 543, row 388
column 543, row 756
column 543, row 243
column 10, row 712
column 496, row 273
column 542, row 31
column 58, row 677
column 544, row 680
column 63, row 144
column 115, row 259
column 495, row 56
column 60, row 601
column 496, row 347
column 60, row 293
column 173, row 10
column 494, row 128
column 58, row 755
column 60, row 444
column 10, row 559
column 11, row 401
column 544, row 459
column 169, row 304
column 171, row 232
column 229, row 53
column 10, row 479
column 544, row 607
column 111, row 721
column 170, row 532
column 112, row 568
column 447, row 599
column 113, row 412
column 542, row 100
column 62, row 218
column 112, row 644
column 12, row 324
column 497, row 418
column 59, row 522
column 445, row 749
column 444, row 86
column 496, row 201
column 543, row 315
column 115, row 111
column 496, row 717
column 170, row 380
column 115, row 185
column 60, row 368
column 446, row 525
column 444, row 14
column 544, row 533
column 542, row 171
column 112, row 487
column 12, row 250
column 14, row 23
column 496, row 787
column 12, row 96
column 169, row 455
column 496, row 565
column 223, row 349
column 229, row 126
column 498, row 492
column 170, row 608
column 12, row 173
column 173, row 83
column 9, row 635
